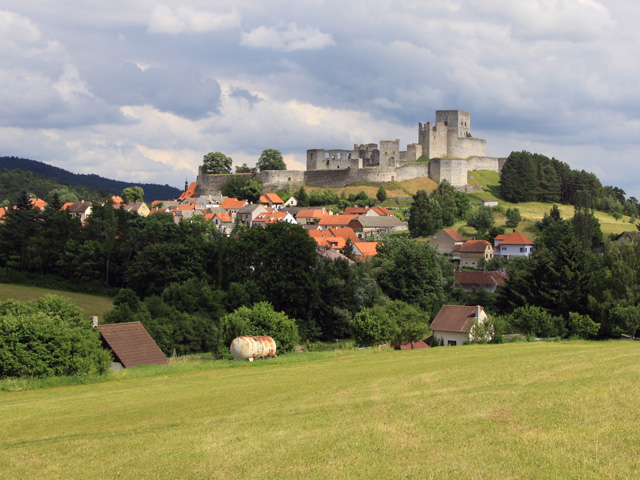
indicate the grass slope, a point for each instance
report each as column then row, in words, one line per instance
column 534, row 211
column 538, row 410
column 91, row 304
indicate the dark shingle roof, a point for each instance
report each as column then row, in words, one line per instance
column 131, row 344
column 480, row 278
column 453, row 318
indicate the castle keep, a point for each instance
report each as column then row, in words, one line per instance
column 448, row 143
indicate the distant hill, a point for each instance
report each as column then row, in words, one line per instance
column 152, row 191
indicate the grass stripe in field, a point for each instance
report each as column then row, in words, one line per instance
column 538, row 410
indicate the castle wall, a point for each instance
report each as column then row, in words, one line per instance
column 486, row 163
column 467, row 147
column 319, row 159
column 273, row 180
column 414, row 152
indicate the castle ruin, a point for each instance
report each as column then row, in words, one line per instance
column 448, row 144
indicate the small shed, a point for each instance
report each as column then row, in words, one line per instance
column 131, row 345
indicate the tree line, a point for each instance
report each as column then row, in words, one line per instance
column 532, row 177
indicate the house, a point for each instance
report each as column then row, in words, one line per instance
column 365, row 250
column 452, row 323
column 335, row 221
column 81, row 210
column 310, row 216
column 446, row 240
column 131, row 345
column 488, row 281
column 413, row 345
column 3, row 212
column 291, row 202
column 366, row 226
column 626, row 237
column 272, row 200
column 346, row 233
column 513, row 245
column 137, row 207
column 189, row 191
column 38, row 203
column 333, row 255
column 471, row 251
column 275, row 217
column 249, row 212
column 222, row 221
column 233, row 205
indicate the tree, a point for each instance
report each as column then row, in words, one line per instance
column 217, row 163
column 48, row 337
column 481, row 219
column 425, row 215
column 132, row 194
column 445, row 195
column 366, row 329
column 242, row 188
column 582, row 326
column 244, row 169
column 251, row 191
column 513, row 217
column 302, row 197
column 271, row 160
column 382, row 194
column 533, row 321
column 260, row 319
column 410, row 271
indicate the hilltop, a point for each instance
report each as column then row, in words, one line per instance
column 152, row 191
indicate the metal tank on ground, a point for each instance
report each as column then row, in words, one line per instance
column 249, row 347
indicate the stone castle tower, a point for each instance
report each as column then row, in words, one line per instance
column 450, row 137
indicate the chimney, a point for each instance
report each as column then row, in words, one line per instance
column 478, row 310
column 94, row 322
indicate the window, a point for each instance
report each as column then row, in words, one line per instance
column 451, row 343
column 523, row 249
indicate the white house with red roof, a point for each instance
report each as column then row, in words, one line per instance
column 513, row 245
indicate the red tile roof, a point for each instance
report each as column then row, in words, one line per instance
column 189, row 191
column 454, row 318
column 345, row 233
column 414, row 345
column 455, row 236
column 131, row 344
column 355, row 210
column 382, row 211
column 516, row 238
column 480, row 278
column 311, row 213
column 472, row 246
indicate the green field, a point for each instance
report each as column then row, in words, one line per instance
column 91, row 304
column 527, row 410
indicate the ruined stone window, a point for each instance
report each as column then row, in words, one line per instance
column 326, row 155
column 339, row 156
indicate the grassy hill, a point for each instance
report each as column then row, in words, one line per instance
column 528, row 410
column 91, row 304
column 534, row 211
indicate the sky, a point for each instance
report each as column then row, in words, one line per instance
column 141, row 91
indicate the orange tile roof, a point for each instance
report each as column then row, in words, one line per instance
column 355, row 210
column 472, row 246
column 3, row 212
column 311, row 213
column 516, row 238
column 382, row 211
column 455, row 236
column 189, row 191
column 368, row 249
column 233, row 204
column 116, row 199
column 271, row 198
column 338, row 220
column 37, row 203
column 66, row 205
column 346, row 233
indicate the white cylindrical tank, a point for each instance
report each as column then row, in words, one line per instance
column 249, row 347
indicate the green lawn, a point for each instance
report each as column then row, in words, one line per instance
column 526, row 410
column 91, row 304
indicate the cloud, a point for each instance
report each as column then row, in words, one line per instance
column 287, row 40
column 184, row 19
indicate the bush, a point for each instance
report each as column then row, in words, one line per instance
column 366, row 329
column 260, row 319
column 48, row 337
column 582, row 326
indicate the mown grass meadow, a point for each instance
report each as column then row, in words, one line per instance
column 525, row 410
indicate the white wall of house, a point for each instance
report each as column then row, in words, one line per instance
column 510, row 251
column 446, row 337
